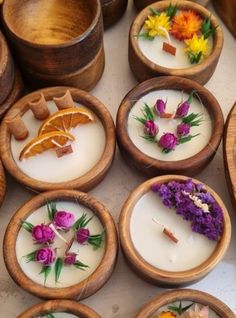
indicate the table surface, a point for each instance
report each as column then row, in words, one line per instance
column 125, row 293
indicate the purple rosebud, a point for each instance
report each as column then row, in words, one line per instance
column 183, row 129
column 42, row 234
column 168, row 141
column 160, row 106
column 70, row 259
column 45, row 256
column 82, row 235
column 150, row 128
column 63, row 220
column 182, row 110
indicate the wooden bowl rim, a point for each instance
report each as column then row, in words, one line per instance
column 3, row 184
column 195, row 69
column 200, row 297
column 160, row 83
column 149, row 270
column 89, row 101
column 4, row 54
column 72, row 306
column 71, row 42
column 95, row 280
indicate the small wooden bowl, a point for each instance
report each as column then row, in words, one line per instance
column 147, row 311
column 112, row 11
column 80, row 290
column 88, row 180
column 144, row 69
column 53, row 306
column 64, row 47
column 229, row 152
column 151, row 166
column 141, row 4
column 155, row 275
column 7, row 73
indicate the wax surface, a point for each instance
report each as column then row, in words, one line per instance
column 183, row 151
column 212, row 314
column 159, row 250
column 62, row 315
column 86, row 254
column 153, row 51
column 87, row 148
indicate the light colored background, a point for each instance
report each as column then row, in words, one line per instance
column 125, row 293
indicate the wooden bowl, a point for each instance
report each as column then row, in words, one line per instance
column 80, row 290
column 7, row 73
column 112, row 11
column 144, row 69
column 89, row 179
column 151, row 166
column 141, row 4
column 53, row 306
column 147, row 311
column 2, row 184
column 227, row 12
column 64, row 47
column 153, row 274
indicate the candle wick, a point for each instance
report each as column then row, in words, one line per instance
column 167, row 231
column 57, row 233
column 155, row 221
column 166, row 33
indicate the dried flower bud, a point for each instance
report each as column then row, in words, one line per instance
column 42, row 234
column 150, row 128
column 183, row 129
column 160, row 106
column 168, row 141
column 70, row 258
column 45, row 256
column 182, row 110
column 63, row 220
column 82, row 235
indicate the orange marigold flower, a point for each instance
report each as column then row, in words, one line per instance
column 185, row 24
column 167, row 314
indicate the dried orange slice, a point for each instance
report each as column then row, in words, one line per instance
column 45, row 142
column 65, row 119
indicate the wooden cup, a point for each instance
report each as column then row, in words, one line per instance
column 112, row 11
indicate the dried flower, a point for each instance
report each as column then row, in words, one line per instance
column 197, row 312
column 185, row 24
column 168, row 142
column 182, row 110
column 70, row 258
column 160, row 106
column 45, row 256
column 42, row 234
column 63, row 220
column 167, row 314
column 197, row 48
column 183, row 129
column 82, row 235
column 150, row 128
column 155, row 24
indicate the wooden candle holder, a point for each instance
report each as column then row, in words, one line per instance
column 151, row 166
column 54, row 306
column 56, row 41
column 148, row 310
column 2, row 184
column 92, row 177
column 112, row 11
column 161, row 277
column 144, row 69
column 141, row 4
column 80, row 290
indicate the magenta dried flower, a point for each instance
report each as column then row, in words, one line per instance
column 183, row 129
column 183, row 108
column 45, row 256
column 160, row 106
column 63, row 220
column 150, row 128
column 42, row 234
column 82, row 235
column 168, row 142
column 70, row 259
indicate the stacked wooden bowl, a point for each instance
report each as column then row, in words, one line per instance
column 141, row 4
column 112, row 10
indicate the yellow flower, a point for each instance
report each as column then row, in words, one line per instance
column 155, row 24
column 197, row 45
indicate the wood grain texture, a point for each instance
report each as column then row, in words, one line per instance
column 48, row 40
column 196, row 296
column 3, row 184
column 141, row 4
column 54, row 306
column 229, row 148
column 112, row 11
column 144, row 69
column 83, row 289
column 227, row 12
column 151, row 166
column 92, row 177
column 152, row 274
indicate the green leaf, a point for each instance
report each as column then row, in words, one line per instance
column 147, row 112
column 179, row 309
column 183, row 140
column 194, row 58
column 52, row 209
column 30, row 257
column 58, row 268
column 149, row 138
column 96, row 240
column 82, row 221
column 165, row 150
column 50, row 316
column 80, row 265
column 27, row 226
column 171, row 11
column 193, row 119
column 154, row 11
column 46, row 270
column 141, row 120
column 145, row 36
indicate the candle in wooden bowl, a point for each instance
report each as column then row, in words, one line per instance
column 65, row 46
column 201, row 305
column 112, row 11
column 88, row 131
column 67, row 235
column 186, row 42
column 174, row 230
column 59, row 309
column 142, row 147
column 141, row 4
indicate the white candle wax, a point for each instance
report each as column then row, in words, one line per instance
column 86, row 254
column 183, row 151
column 153, row 51
column 62, row 315
column 212, row 314
column 159, row 250
column 87, row 148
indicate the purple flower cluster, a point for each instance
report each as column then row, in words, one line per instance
column 175, row 194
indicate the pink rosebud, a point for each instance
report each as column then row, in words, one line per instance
column 182, row 110
column 150, row 128
column 160, row 106
column 82, row 235
column 183, row 129
column 63, row 220
column 70, row 259
column 168, row 141
column 42, row 234
column 45, row 256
